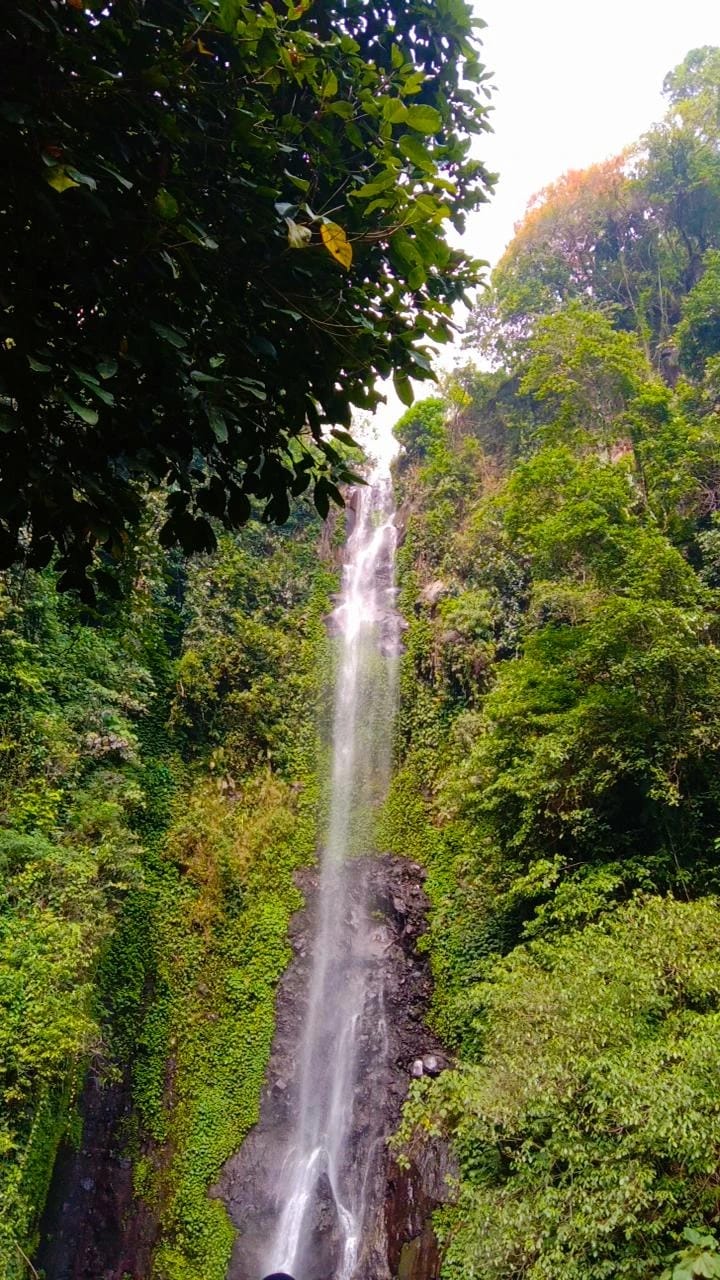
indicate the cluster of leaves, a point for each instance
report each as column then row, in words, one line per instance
column 700, row 1257
column 558, row 739
column 238, row 699
column 631, row 234
column 223, row 221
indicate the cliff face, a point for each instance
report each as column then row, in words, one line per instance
column 395, row 1044
column 93, row 1225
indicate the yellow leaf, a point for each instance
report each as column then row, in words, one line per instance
column 60, row 180
column 336, row 243
column 203, row 49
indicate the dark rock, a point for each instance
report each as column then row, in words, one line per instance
column 412, row 1196
column 431, row 1064
column 433, row 592
column 391, row 1038
column 93, row 1225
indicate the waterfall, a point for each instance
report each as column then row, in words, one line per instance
column 320, row 1187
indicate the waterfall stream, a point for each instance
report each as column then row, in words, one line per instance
column 320, row 1176
column 313, row 1190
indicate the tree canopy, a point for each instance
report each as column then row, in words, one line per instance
column 630, row 234
column 223, row 222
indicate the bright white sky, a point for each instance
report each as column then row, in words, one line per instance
column 575, row 83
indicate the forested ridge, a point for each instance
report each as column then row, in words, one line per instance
column 164, row 655
column 559, row 737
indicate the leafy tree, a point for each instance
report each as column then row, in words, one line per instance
column 588, row 1134
column 693, row 89
column 573, row 243
column 688, row 142
column 590, row 376
column 421, row 428
column 698, row 333
column 628, row 235
column 222, row 223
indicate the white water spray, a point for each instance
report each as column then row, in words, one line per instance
column 321, row 1186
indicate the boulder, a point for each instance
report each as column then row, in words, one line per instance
column 431, row 1064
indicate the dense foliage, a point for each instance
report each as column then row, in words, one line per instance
column 222, row 221
column 590, row 1130
column 559, row 743
column 157, row 792
column 173, row 353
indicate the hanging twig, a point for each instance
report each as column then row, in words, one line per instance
column 26, row 1260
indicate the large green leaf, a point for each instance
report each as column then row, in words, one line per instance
column 404, row 389
column 83, row 411
column 424, row 119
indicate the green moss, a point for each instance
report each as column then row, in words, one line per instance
column 220, row 948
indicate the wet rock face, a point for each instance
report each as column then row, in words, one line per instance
column 394, row 1044
column 93, row 1228
column 412, row 1196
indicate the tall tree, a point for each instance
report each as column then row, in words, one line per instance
column 223, row 221
column 629, row 234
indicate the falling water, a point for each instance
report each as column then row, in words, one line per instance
column 322, row 1179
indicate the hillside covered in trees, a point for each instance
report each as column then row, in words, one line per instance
column 171, row 393
column 559, row 736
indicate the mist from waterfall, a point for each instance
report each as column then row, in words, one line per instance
column 321, row 1184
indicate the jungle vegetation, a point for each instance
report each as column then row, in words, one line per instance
column 559, row 737
column 223, row 221
column 159, row 787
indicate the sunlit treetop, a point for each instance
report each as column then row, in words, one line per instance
column 629, row 234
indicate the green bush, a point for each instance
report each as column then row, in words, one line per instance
column 589, row 1131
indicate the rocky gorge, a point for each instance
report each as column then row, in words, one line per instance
column 394, row 1045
